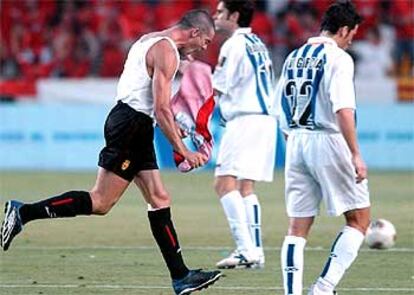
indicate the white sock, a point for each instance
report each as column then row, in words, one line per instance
column 254, row 216
column 233, row 206
column 343, row 252
column 291, row 261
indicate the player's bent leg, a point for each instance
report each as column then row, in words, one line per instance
column 185, row 281
column 344, row 251
column 292, row 252
column 108, row 189
column 159, row 215
column 234, row 209
column 254, row 218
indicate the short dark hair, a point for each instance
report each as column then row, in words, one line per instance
column 245, row 8
column 338, row 15
column 197, row 18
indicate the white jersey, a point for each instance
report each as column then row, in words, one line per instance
column 244, row 76
column 316, row 82
column 135, row 85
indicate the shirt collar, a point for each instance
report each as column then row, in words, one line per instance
column 242, row 31
column 322, row 39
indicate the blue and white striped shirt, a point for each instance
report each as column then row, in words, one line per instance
column 244, row 76
column 316, row 82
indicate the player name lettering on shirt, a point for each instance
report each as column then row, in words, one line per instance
column 305, row 63
column 256, row 47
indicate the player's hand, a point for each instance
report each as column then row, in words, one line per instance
column 195, row 159
column 360, row 168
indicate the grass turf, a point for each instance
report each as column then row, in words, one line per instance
column 116, row 254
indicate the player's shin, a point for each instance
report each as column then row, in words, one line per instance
column 68, row 204
column 343, row 252
column 253, row 214
column 291, row 261
column 233, row 206
column 164, row 233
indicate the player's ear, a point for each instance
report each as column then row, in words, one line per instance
column 195, row 32
column 234, row 17
column 344, row 31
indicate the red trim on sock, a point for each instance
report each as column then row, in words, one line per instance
column 62, row 202
column 167, row 229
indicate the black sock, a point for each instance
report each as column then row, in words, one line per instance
column 166, row 237
column 68, row 204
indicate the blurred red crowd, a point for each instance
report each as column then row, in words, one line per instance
column 82, row 38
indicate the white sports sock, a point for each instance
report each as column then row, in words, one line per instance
column 291, row 261
column 343, row 252
column 233, row 206
column 254, row 216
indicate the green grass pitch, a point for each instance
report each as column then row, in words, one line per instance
column 116, row 254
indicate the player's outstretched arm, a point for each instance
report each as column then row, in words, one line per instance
column 346, row 121
column 163, row 59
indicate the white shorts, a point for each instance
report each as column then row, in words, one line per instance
column 247, row 149
column 318, row 166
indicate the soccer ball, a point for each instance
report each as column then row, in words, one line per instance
column 381, row 234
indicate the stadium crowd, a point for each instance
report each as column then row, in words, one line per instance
column 90, row 38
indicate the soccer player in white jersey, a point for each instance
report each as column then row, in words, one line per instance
column 143, row 94
column 323, row 161
column 243, row 83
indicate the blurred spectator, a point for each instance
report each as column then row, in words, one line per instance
column 168, row 12
column 373, row 56
column 9, row 68
column 132, row 21
column 370, row 10
column 262, row 24
column 44, row 38
column 402, row 17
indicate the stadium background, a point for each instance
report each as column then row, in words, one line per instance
column 60, row 60
column 59, row 63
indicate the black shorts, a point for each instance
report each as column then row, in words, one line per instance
column 129, row 139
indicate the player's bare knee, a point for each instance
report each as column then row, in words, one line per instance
column 300, row 228
column 160, row 199
column 246, row 191
column 358, row 219
column 246, row 187
column 99, row 205
column 222, row 187
column 361, row 225
column 218, row 187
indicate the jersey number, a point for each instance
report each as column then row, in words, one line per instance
column 298, row 94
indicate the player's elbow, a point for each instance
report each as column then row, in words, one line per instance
column 162, row 112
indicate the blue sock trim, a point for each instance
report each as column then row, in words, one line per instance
column 290, row 266
column 256, row 224
column 328, row 263
column 257, row 237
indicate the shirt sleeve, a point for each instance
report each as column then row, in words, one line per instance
column 342, row 90
column 228, row 67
